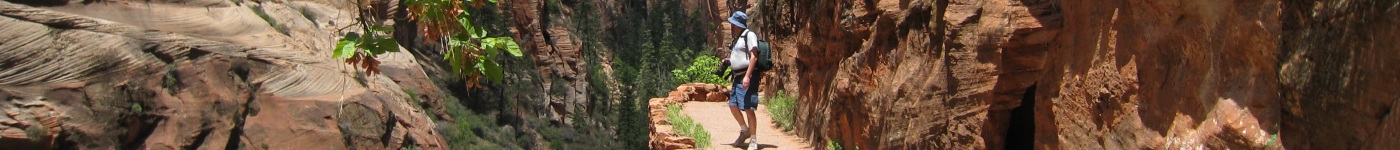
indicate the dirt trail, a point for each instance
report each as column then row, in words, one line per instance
column 715, row 117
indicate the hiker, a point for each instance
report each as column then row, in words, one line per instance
column 744, row 96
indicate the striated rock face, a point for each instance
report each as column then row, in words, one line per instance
column 1087, row 73
column 198, row 74
column 1337, row 73
column 906, row 74
column 556, row 54
column 1078, row 74
column 1161, row 74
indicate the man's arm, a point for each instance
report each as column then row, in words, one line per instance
column 753, row 62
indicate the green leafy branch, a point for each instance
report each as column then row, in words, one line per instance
column 466, row 46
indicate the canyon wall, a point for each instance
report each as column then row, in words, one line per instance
column 1076, row 74
column 199, row 74
column 1338, row 80
column 906, row 74
column 1161, row 74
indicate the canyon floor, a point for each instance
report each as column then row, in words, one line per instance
column 724, row 131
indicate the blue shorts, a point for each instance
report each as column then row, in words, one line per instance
column 740, row 97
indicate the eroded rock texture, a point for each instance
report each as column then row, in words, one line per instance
column 1337, row 68
column 907, row 74
column 557, row 56
column 1161, row 74
column 198, row 74
column 1079, row 74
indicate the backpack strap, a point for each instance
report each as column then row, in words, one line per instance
column 741, row 35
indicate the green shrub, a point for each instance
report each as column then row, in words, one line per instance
column 475, row 131
column 699, row 71
column 36, row 132
column 685, row 126
column 781, row 107
column 834, row 145
column 257, row 9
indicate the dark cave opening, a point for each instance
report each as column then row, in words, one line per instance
column 1021, row 133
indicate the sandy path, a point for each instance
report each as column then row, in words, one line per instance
column 724, row 130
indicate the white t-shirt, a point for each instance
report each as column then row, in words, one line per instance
column 739, row 54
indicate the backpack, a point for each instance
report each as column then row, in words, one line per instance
column 765, row 56
column 765, row 53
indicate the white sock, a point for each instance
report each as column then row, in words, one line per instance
column 753, row 143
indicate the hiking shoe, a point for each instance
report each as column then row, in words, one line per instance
column 743, row 134
column 753, row 143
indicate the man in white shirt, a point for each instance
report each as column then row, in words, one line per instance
column 744, row 96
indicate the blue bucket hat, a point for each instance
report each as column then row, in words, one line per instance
column 738, row 18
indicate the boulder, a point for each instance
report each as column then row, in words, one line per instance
column 717, row 97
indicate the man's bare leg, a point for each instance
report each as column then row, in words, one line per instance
column 737, row 117
column 753, row 128
column 740, row 118
column 753, row 121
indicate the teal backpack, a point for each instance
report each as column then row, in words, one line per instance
column 765, row 56
column 765, row 53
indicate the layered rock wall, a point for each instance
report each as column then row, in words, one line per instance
column 1338, row 80
column 1076, row 74
column 906, row 74
column 1161, row 74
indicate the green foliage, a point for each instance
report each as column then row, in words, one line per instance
column 1272, row 138
column 640, row 52
column 136, row 107
column 699, row 71
column 471, row 130
column 685, row 126
column 552, row 6
column 782, row 107
column 346, row 47
column 413, row 98
column 36, row 132
column 467, row 47
column 834, row 145
column 371, row 43
column 171, row 81
column 632, row 127
column 648, row 41
column 257, row 9
column 502, row 43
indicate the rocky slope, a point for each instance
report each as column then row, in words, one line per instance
column 1074, row 74
column 207, row 74
column 250, row 74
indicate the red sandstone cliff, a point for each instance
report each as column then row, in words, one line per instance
column 907, row 74
column 1075, row 74
column 1151, row 74
column 1338, row 81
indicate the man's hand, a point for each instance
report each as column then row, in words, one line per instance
column 745, row 85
